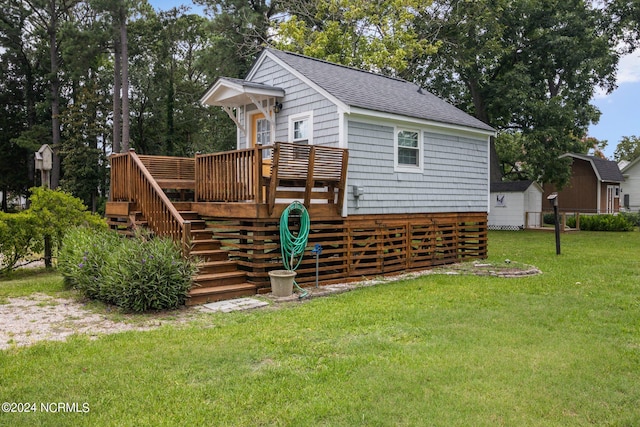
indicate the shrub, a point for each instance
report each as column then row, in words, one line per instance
column 57, row 212
column 632, row 217
column 548, row 218
column 136, row 274
column 19, row 237
column 83, row 258
column 606, row 222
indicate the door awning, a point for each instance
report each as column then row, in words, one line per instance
column 230, row 93
column 237, row 92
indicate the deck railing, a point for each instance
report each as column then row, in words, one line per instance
column 313, row 174
column 132, row 181
column 230, row 176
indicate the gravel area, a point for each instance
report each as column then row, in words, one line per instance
column 38, row 317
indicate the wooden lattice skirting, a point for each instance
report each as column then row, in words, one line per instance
column 358, row 246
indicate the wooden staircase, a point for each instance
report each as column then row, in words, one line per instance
column 218, row 277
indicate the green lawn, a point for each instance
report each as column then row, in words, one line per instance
column 559, row 349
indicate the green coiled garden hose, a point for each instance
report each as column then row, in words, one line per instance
column 291, row 246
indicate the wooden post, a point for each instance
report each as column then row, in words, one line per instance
column 310, row 181
column 273, row 185
column 257, row 173
column 186, row 239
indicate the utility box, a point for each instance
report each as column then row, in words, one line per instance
column 44, row 158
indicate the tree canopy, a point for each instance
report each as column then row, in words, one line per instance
column 86, row 75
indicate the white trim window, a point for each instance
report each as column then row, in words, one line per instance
column 301, row 128
column 408, row 150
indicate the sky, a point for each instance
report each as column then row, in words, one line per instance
column 620, row 109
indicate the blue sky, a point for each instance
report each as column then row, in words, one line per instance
column 620, row 109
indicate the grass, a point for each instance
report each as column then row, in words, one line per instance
column 25, row 282
column 558, row 349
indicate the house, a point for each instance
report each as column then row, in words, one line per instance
column 630, row 189
column 594, row 186
column 394, row 178
column 515, row 205
column 409, row 151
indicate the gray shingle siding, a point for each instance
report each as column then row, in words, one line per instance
column 299, row 98
column 454, row 178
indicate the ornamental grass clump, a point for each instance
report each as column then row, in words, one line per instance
column 137, row 274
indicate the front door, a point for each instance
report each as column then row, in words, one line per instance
column 261, row 136
column 612, row 198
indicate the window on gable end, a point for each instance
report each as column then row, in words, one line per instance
column 408, row 150
column 301, row 128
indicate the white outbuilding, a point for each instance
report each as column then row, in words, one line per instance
column 515, row 205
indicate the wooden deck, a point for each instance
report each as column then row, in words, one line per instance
column 225, row 211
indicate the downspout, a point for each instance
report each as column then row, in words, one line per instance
column 343, row 143
column 488, row 176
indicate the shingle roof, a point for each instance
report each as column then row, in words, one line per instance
column 607, row 170
column 357, row 88
column 510, row 186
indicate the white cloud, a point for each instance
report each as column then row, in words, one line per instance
column 628, row 72
column 629, row 69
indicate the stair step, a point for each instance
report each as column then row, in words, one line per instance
column 204, row 295
column 220, row 279
column 203, row 245
column 211, row 254
column 212, row 267
column 197, row 224
column 189, row 215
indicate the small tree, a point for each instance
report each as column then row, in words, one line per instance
column 52, row 213
column 627, row 149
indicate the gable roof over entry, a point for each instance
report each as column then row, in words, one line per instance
column 229, row 92
column 357, row 89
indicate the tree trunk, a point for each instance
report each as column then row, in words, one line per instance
column 495, row 172
column 125, row 80
column 55, row 95
column 116, row 145
column 5, row 206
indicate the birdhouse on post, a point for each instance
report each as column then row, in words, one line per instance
column 44, row 163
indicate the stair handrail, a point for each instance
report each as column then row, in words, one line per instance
column 161, row 215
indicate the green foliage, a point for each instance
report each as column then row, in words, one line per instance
column 378, row 36
column 52, row 213
column 631, row 217
column 607, row 222
column 523, row 66
column 136, row 275
column 84, row 163
column 627, row 149
column 57, row 211
column 20, row 236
